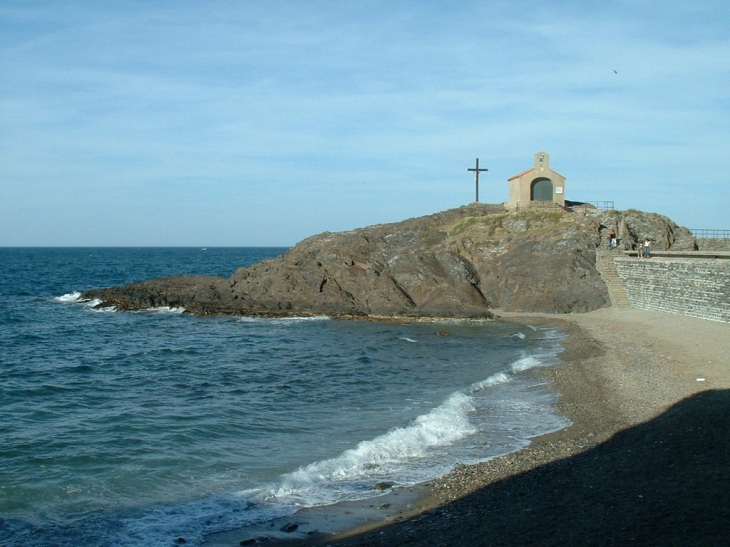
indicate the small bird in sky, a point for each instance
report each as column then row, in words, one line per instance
column 615, row 71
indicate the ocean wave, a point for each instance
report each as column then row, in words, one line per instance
column 336, row 478
column 95, row 305
column 332, row 479
column 70, row 298
column 474, row 423
column 498, row 378
column 284, row 320
column 526, row 363
column 165, row 309
column 76, row 298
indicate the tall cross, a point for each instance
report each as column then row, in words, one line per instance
column 476, row 175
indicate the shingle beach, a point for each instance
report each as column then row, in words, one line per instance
column 646, row 461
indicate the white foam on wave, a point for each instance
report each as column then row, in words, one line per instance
column 284, row 320
column 498, row 378
column 526, row 363
column 69, row 298
column 329, row 480
column 93, row 304
column 166, row 309
column 349, row 475
column 405, row 338
column 552, row 335
column 333, row 479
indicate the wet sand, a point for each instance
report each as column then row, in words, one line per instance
column 646, row 461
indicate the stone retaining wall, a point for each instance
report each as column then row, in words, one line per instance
column 698, row 287
column 713, row 244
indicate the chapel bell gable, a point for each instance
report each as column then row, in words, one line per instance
column 538, row 186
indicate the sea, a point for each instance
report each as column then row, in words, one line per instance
column 150, row 428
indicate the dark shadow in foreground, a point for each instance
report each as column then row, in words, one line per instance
column 664, row 483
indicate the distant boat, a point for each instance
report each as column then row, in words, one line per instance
column 204, row 249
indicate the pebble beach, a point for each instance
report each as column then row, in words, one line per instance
column 646, row 460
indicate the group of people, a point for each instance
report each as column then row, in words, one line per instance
column 643, row 250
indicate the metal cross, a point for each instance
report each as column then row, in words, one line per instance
column 476, row 175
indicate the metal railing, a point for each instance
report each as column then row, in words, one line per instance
column 605, row 205
column 704, row 233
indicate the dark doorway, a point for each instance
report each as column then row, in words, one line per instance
column 542, row 190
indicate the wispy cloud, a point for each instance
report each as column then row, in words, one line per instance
column 263, row 123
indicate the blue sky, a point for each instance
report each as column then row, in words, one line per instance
column 238, row 123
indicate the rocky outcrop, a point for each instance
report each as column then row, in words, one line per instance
column 458, row 263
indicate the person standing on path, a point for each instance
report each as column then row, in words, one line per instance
column 647, row 247
column 611, row 240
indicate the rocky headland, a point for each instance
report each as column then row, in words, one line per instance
column 460, row 263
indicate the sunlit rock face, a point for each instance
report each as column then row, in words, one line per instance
column 458, row 263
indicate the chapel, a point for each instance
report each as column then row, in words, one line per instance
column 536, row 187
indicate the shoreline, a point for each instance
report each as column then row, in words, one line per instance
column 622, row 371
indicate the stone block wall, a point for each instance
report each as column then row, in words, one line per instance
column 687, row 286
column 710, row 244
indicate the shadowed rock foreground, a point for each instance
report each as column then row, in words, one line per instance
column 458, row 263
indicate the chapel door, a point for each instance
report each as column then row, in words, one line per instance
column 542, row 190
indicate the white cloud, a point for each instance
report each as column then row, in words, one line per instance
column 333, row 115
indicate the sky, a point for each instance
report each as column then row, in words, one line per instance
column 261, row 123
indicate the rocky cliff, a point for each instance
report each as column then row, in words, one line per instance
column 458, row 263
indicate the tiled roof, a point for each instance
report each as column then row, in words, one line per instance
column 528, row 170
column 523, row 173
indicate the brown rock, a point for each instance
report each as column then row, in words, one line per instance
column 458, row 263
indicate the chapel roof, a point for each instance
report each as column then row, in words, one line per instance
column 527, row 171
column 520, row 174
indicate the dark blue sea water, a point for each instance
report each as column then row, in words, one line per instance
column 135, row 429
